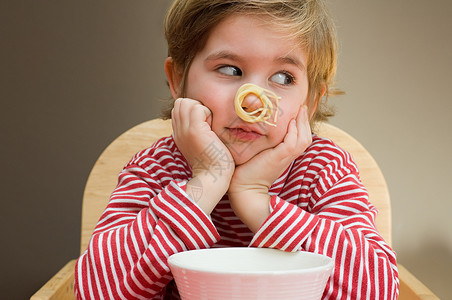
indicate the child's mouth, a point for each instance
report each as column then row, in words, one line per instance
column 243, row 134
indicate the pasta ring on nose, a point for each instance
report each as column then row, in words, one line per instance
column 261, row 114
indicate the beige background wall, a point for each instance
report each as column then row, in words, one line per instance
column 395, row 65
column 75, row 74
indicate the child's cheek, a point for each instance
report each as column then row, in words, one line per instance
column 278, row 133
column 286, row 114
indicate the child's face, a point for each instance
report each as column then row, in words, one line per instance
column 244, row 49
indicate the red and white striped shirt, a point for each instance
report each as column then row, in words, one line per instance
column 318, row 205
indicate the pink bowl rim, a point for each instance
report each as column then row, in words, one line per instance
column 327, row 267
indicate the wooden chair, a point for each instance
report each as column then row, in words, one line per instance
column 103, row 179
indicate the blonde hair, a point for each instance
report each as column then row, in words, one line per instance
column 188, row 23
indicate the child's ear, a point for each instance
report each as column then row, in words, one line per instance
column 174, row 76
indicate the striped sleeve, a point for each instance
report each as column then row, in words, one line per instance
column 141, row 227
column 286, row 227
column 332, row 216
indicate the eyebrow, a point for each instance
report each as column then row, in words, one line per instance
column 290, row 60
column 222, row 55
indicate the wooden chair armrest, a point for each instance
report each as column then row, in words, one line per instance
column 412, row 288
column 60, row 286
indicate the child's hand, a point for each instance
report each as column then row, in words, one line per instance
column 248, row 191
column 211, row 162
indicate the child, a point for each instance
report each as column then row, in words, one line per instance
column 220, row 181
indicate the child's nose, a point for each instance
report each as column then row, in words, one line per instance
column 252, row 103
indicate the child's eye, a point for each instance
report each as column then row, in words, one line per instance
column 230, row 71
column 283, row 78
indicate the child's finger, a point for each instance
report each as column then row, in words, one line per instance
column 304, row 128
column 286, row 148
column 188, row 112
column 194, row 110
column 292, row 133
column 201, row 113
column 175, row 114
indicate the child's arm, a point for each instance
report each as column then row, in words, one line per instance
column 211, row 162
column 151, row 214
column 330, row 214
column 149, row 217
column 327, row 211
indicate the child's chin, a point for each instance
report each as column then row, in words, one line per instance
column 242, row 155
column 241, row 158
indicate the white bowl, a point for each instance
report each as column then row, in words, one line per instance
column 250, row 273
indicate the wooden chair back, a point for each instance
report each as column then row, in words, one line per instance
column 103, row 177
